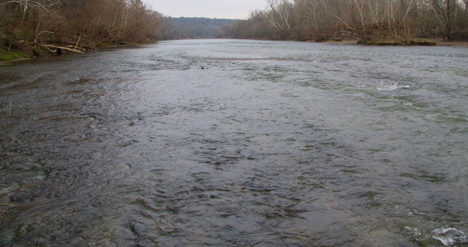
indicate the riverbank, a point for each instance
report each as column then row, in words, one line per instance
column 428, row 42
column 13, row 56
column 41, row 51
column 398, row 42
column 7, row 57
column 453, row 43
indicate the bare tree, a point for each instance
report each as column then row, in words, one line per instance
column 280, row 14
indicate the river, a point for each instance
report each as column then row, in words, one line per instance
column 236, row 143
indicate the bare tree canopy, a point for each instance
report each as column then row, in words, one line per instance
column 366, row 20
column 32, row 25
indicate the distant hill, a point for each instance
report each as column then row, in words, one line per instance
column 191, row 27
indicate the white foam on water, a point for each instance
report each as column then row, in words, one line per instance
column 415, row 231
column 450, row 236
column 392, row 87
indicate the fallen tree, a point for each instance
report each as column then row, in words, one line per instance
column 58, row 49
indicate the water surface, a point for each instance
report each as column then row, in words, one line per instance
column 236, row 143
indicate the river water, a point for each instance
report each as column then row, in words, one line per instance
column 236, row 143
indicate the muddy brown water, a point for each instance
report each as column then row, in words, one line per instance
column 236, row 143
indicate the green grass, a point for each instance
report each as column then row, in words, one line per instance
column 6, row 55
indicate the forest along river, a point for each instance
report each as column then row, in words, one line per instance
column 236, row 143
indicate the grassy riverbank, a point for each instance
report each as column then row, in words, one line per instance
column 6, row 55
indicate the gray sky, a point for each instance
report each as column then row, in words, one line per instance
column 230, row 9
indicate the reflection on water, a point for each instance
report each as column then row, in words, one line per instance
column 271, row 144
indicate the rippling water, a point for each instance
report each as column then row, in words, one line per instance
column 236, row 143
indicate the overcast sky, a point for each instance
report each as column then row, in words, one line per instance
column 230, row 9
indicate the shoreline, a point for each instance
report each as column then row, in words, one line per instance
column 344, row 42
column 453, row 43
column 7, row 62
column 437, row 41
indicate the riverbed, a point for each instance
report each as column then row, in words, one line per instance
column 236, row 143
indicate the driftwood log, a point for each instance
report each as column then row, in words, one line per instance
column 56, row 47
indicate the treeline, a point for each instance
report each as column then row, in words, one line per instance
column 367, row 20
column 191, row 28
column 38, row 25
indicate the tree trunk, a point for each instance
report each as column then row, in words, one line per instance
column 25, row 10
column 448, row 15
